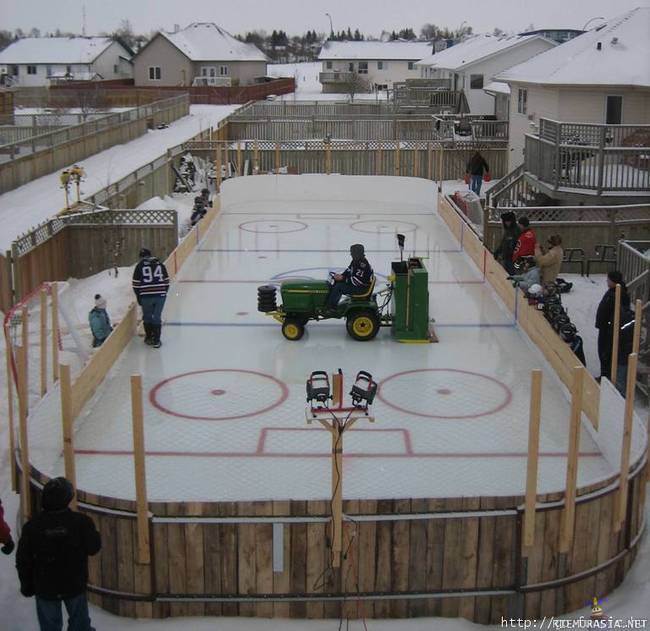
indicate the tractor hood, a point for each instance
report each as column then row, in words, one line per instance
column 301, row 286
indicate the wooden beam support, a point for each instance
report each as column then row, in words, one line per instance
column 25, row 488
column 43, row 341
column 256, row 158
column 137, row 417
column 217, row 167
column 67, row 423
column 9, row 355
column 277, row 158
column 638, row 315
column 54, row 290
column 621, row 506
column 617, row 328
column 569, row 513
column 533, row 457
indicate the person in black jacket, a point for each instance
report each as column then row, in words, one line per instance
column 504, row 251
column 151, row 284
column 605, row 321
column 354, row 280
column 52, row 559
column 475, row 169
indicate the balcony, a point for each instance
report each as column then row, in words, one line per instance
column 336, row 77
column 590, row 159
column 219, row 82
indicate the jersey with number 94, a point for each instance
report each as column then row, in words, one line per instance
column 150, row 278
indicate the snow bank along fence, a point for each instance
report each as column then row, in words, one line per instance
column 429, row 160
column 77, row 245
column 61, row 148
column 481, row 558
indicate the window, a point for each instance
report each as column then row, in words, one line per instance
column 116, row 68
column 614, row 115
column 328, row 65
column 363, row 67
column 48, row 71
column 68, row 69
column 351, row 66
column 411, row 65
column 476, row 81
column 224, row 71
column 208, row 71
column 31, row 69
column 382, row 65
column 14, row 71
column 522, row 101
column 154, row 73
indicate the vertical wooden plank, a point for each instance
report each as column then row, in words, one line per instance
column 246, row 558
column 256, row 158
column 505, row 550
column 317, row 560
column 123, row 532
column 25, row 489
column 194, row 560
column 9, row 354
column 350, row 562
column 487, row 527
column 217, row 166
column 417, row 544
column 142, row 576
column 627, row 441
column 240, row 166
column 638, row 315
column 572, row 464
column 297, row 559
column 212, row 565
column 229, row 558
column 277, row 158
column 401, row 556
column 416, row 161
column 385, row 567
column 379, row 160
column 533, row 457
column 282, row 580
column 604, row 579
column 176, row 565
column 161, row 565
column 616, row 332
column 469, row 552
column 139, row 465
column 435, row 553
column 54, row 290
column 367, row 559
column 397, row 155
column 67, row 422
column 264, row 559
column 550, row 563
column 429, row 161
column 43, row 341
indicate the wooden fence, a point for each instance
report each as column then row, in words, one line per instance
column 431, row 161
column 72, row 144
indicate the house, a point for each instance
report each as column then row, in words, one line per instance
column 36, row 61
column 599, row 83
column 380, row 64
column 200, row 54
column 472, row 63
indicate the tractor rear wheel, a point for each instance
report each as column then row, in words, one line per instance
column 362, row 325
column 293, row 329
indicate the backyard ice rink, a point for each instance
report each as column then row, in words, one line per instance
column 224, row 396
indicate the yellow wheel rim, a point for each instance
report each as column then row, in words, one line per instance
column 291, row 331
column 363, row 326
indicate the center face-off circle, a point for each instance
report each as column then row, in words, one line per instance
column 218, row 394
column 273, row 226
column 442, row 393
column 386, row 226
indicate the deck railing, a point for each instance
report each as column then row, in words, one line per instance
column 597, row 158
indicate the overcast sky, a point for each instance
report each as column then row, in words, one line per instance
column 297, row 16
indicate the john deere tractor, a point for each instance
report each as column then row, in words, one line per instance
column 402, row 305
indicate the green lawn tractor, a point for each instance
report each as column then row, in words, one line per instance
column 402, row 305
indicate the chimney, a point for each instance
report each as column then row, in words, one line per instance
column 176, row 28
column 599, row 46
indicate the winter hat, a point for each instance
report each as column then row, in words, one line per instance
column 57, row 494
column 357, row 251
column 144, row 252
column 100, row 301
column 535, row 290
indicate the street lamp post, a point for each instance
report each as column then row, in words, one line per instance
column 331, row 26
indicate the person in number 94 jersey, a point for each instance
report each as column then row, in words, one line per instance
column 151, row 284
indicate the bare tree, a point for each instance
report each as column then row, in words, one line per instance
column 355, row 84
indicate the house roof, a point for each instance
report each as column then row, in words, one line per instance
column 55, row 50
column 624, row 58
column 497, row 86
column 407, row 51
column 205, row 41
column 475, row 49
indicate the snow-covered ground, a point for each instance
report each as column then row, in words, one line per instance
column 309, row 88
column 33, row 203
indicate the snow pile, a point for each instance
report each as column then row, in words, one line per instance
column 182, row 203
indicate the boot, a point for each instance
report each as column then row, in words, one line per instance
column 156, row 335
column 148, row 333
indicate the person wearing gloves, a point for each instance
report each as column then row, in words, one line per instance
column 150, row 285
column 354, row 280
column 550, row 262
column 100, row 322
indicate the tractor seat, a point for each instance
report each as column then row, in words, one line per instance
column 366, row 294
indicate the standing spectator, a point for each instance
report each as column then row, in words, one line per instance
column 476, row 167
column 99, row 320
column 605, row 320
column 5, row 534
column 151, row 284
column 52, row 559
column 504, row 251
column 526, row 241
column 550, row 262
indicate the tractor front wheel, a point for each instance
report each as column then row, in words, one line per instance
column 293, row 329
column 363, row 325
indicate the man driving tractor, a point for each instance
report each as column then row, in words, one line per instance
column 354, row 281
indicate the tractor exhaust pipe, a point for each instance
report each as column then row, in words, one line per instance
column 400, row 243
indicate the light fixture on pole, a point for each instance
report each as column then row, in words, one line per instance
column 331, row 25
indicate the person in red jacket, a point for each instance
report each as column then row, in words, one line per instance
column 526, row 242
column 5, row 534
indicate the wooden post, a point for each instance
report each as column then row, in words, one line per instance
column 430, row 161
column 416, row 162
column 337, row 494
column 43, row 344
column 67, row 423
column 569, row 513
column 137, row 417
column 441, row 156
column 617, row 328
column 25, row 489
column 337, row 390
column 328, row 158
column 533, row 457
column 226, row 159
column 24, row 315
column 277, row 158
column 240, row 170
column 9, row 353
column 638, row 315
column 217, row 166
column 379, row 160
column 627, row 441
column 55, row 331
column 396, row 153
column 256, row 158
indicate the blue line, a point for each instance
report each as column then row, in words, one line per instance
column 432, row 251
column 502, row 325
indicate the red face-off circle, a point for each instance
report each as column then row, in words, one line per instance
column 218, row 394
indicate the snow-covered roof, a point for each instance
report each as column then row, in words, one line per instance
column 205, row 41
column 475, row 49
column 407, row 51
column 623, row 58
column 497, row 86
column 55, row 50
